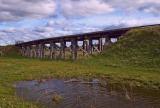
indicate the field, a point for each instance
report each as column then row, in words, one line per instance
column 135, row 59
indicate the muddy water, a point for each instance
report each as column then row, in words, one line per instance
column 61, row 94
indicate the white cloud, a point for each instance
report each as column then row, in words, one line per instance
column 148, row 1
column 149, row 6
column 11, row 10
column 84, row 7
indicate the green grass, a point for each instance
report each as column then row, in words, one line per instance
column 135, row 58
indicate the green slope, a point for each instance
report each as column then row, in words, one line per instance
column 139, row 47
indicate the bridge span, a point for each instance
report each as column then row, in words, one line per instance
column 72, row 46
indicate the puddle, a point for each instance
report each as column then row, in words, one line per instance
column 75, row 94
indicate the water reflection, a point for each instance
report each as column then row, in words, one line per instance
column 80, row 94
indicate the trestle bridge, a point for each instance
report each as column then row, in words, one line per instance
column 72, row 46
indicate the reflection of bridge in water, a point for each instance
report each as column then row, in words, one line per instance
column 59, row 47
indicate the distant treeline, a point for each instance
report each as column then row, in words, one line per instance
column 9, row 50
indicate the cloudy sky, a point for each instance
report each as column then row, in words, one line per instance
column 25, row 20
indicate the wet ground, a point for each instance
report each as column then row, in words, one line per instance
column 80, row 94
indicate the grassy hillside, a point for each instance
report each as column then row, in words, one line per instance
column 135, row 59
column 139, row 47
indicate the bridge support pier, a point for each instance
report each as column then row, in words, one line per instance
column 42, row 49
column 62, row 49
column 25, row 49
column 35, row 51
column 85, row 47
column 74, row 49
column 52, row 50
column 22, row 50
column 32, row 51
column 28, row 51
column 90, row 46
column 100, row 47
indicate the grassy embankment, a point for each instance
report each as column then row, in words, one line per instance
column 134, row 58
